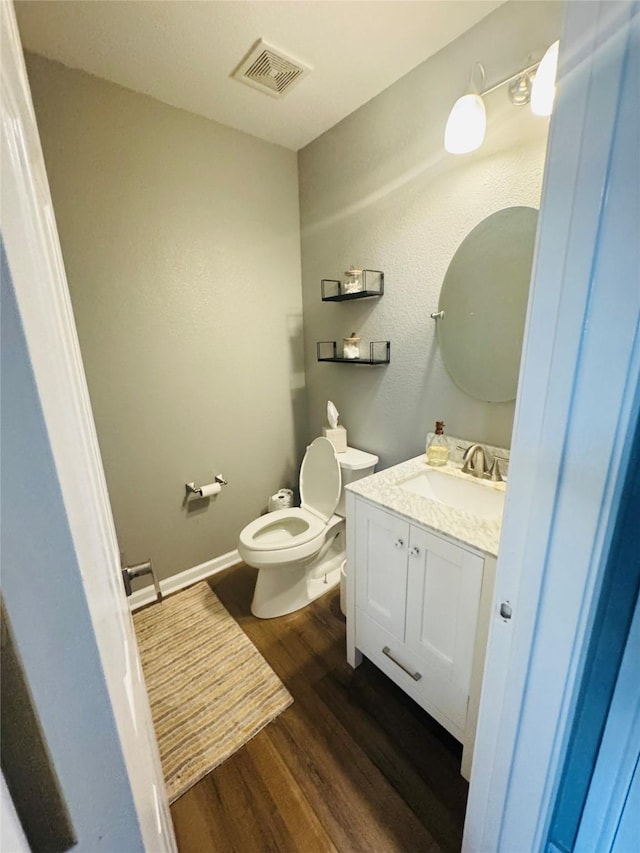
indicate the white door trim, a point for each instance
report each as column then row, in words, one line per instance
column 11, row 833
column 33, row 251
column 576, row 407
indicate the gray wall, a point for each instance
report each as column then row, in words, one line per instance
column 379, row 191
column 181, row 243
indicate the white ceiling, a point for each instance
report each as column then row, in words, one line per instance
column 183, row 52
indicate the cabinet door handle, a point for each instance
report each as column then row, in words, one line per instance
column 415, row 551
column 415, row 675
column 399, row 543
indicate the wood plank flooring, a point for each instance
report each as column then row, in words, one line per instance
column 353, row 765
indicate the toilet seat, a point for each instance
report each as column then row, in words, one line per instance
column 296, row 533
column 320, row 479
column 284, row 528
column 284, row 547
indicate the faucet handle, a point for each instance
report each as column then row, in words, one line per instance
column 495, row 474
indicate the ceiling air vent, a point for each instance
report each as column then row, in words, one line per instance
column 268, row 69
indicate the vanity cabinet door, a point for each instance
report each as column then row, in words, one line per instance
column 382, row 542
column 443, row 597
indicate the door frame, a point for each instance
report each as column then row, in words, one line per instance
column 39, row 281
column 578, row 403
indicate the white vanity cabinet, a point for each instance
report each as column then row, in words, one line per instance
column 419, row 611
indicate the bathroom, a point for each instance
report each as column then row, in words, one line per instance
column 197, row 329
column 198, row 332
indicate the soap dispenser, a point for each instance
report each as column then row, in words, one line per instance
column 437, row 449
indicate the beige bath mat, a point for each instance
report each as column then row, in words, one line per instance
column 209, row 688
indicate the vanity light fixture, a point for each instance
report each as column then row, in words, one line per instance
column 467, row 122
column 544, row 84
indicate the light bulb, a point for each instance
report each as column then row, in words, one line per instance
column 544, row 83
column 466, row 125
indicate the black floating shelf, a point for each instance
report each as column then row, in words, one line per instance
column 372, row 281
column 379, row 353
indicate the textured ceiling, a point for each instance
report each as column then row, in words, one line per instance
column 183, row 52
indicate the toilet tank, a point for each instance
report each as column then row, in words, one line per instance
column 354, row 465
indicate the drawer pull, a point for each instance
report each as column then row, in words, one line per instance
column 415, row 675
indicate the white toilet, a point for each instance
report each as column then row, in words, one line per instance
column 299, row 550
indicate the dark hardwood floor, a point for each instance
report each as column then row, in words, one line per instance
column 352, row 765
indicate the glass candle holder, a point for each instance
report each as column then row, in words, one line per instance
column 351, row 346
column 352, row 281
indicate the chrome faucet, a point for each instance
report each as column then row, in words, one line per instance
column 476, row 464
column 475, row 461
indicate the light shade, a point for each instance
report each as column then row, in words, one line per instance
column 544, row 83
column 466, row 125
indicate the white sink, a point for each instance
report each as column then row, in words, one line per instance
column 479, row 499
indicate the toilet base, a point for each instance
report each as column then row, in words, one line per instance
column 285, row 589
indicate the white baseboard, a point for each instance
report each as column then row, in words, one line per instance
column 183, row 579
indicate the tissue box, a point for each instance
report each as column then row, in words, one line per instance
column 337, row 437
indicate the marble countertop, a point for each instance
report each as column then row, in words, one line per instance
column 383, row 489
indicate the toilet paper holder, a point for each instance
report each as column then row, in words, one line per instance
column 192, row 489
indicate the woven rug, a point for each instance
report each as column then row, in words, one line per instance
column 209, row 688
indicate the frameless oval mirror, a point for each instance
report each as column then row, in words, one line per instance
column 484, row 300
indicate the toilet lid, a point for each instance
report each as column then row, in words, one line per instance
column 320, row 479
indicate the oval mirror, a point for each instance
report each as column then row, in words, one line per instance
column 484, row 300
